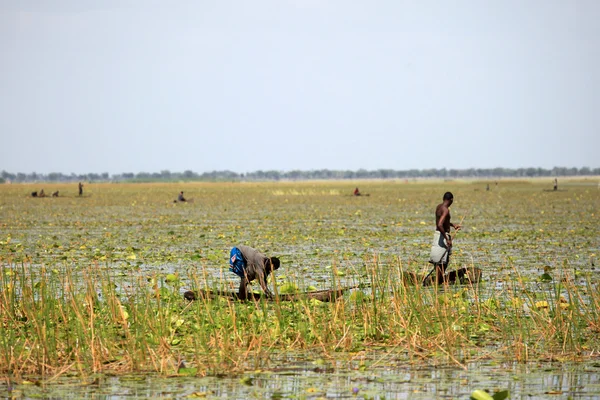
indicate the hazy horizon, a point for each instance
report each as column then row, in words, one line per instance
column 495, row 173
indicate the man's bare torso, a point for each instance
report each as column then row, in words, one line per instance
column 439, row 211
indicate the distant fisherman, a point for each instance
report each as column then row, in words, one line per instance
column 249, row 264
column 441, row 247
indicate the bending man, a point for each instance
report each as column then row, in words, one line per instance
column 249, row 264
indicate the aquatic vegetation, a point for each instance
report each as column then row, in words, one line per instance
column 483, row 395
column 96, row 284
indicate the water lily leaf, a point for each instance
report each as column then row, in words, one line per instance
column 288, row 288
column 246, row 380
column 481, row 395
column 541, row 304
column 501, row 395
column 315, row 302
column 198, row 394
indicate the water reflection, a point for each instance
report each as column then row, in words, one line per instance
column 399, row 379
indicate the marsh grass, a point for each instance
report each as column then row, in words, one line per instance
column 95, row 284
column 86, row 321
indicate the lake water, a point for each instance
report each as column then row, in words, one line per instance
column 393, row 378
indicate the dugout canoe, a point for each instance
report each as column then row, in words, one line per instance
column 462, row 276
column 321, row 295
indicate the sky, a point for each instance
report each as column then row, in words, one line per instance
column 204, row 85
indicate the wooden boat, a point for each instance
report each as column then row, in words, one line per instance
column 321, row 295
column 462, row 276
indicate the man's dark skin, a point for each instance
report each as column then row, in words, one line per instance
column 443, row 225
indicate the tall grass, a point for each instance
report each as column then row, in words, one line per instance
column 61, row 320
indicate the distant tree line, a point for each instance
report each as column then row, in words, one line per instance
column 320, row 174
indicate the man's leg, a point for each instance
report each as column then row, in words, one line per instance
column 243, row 290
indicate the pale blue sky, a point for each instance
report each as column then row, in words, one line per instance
column 132, row 86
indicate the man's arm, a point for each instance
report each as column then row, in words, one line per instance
column 263, row 283
column 456, row 226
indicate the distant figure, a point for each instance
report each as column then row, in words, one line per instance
column 80, row 189
column 41, row 193
column 55, row 194
column 487, row 188
column 441, row 248
column 180, row 197
column 555, row 184
column 356, row 192
column 249, row 264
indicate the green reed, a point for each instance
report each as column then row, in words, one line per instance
column 59, row 320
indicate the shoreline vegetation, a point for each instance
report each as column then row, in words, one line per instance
column 301, row 175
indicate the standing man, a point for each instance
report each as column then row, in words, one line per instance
column 80, row 189
column 249, row 264
column 441, row 248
